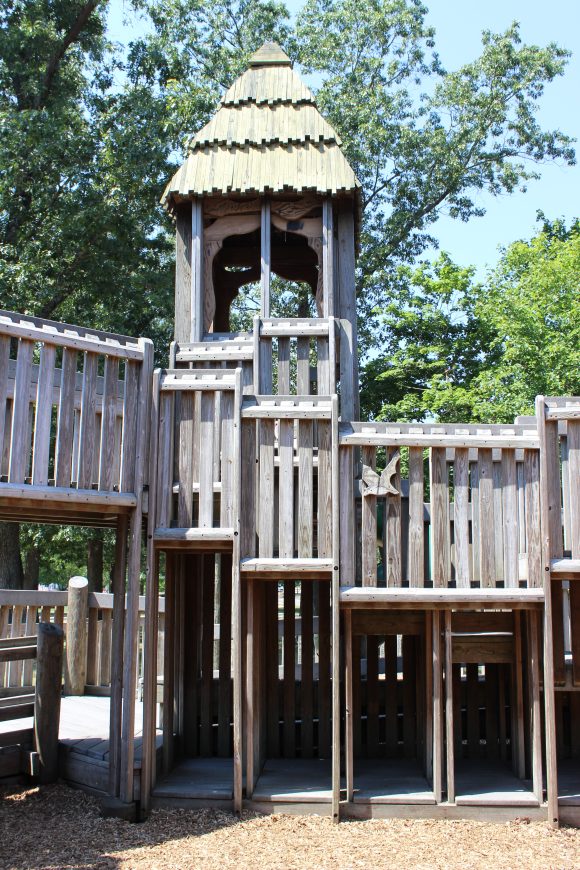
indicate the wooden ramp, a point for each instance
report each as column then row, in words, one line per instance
column 395, row 781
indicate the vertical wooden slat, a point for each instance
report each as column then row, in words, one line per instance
column 105, row 657
column 369, row 526
column 266, row 490
column 206, row 735
column 265, row 257
column 303, row 366
column 4, row 372
column 227, row 460
column 328, row 258
column 19, row 442
column 348, row 736
column 43, row 416
column 29, row 631
column 248, row 478
column 305, row 488
column 324, row 650
column 486, row 518
column 184, row 416
column 206, row 468
column 460, row 517
column 289, row 669
column 535, row 699
column 392, row 545
column 440, row 545
column 88, row 421
column 225, row 657
column 449, row 710
column 372, row 685
column 283, row 366
column 325, row 500
column 391, row 702
column 18, row 628
column 286, row 490
column 164, row 465
column 437, row 707
column 64, row 438
column 416, row 546
column 498, row 526
column 306, row 685
column 510, row 517
column 272, row 680
column 92, row 647
column 518, row 714
column 532, row 518
column 129, row 437
column 475, row 559
column 346, row 506
column 168, row 669
column 108, row 423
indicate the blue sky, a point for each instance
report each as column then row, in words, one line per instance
column 459, row 24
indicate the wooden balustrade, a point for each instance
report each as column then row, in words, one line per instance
column 68, row 419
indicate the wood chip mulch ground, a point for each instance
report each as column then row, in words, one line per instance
column 56, row 827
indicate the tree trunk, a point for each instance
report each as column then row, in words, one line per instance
column 95, row 562
column 31, row 568
column 11, row 574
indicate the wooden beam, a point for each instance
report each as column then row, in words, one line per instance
column 265, row 258
column 328, row 306
column 196, row 283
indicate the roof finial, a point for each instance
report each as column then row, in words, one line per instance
column 270, row 54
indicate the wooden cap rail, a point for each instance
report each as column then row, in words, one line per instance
column 67, row 335
column 215, row 351
column 440, row 599
column 294, row 327
column 426, row 435
column 174, row 380
column 287, row 407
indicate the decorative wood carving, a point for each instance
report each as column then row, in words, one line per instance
column 290, row 210
column 380, row 484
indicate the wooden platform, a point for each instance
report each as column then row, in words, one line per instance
column 569, row 783
column 396, row 781
column 490, row 783
column 207, row 779
column 295, row 780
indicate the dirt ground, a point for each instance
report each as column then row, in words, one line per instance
column 57, row 827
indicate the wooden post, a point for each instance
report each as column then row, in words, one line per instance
column 449, row 708
column 437, row 710
column 47, row 698
column 183, row 273
column 196, row 304
column 327, row 258
column 76, row 636
column 265, row 260
column 116, row 708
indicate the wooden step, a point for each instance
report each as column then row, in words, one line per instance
column 193, row 538
column 440, row 598
column 287, row 407
column 287, row 566
column 565, row 568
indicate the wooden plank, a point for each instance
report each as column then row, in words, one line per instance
column 510, row 517
column 284, row 366
column 486, row 518
column 225, row 657
column 348, row 728
column 303, row 366
column 64, row 444
column 31, row 630
column 440, row 546
column 475, row 649
column 206, row 717
column 390, row 693
column 536, row 736
column 184, row 415
column 393, row 573
column 206, row 467
column 381, row 622
column 168, row 664
column 328, row 306
column 266, row 489
column 265, row 258
column 460, row 517
column 518, row 714
column 289, row 670
column 498, row 529
column 324, row 654
column 307, row 663
column 196, row 305
column 108, row 426
column 574, row 475
column 248, row 482
column 19, row 441
column 449, row 709
column 475, row 522
column 43, row 415
column 305, row 488
column 369, row 526
column 88, row 421
column 532, row 518
column 272, row 658
column 93, row 647
column 437, row 708
column 346, row 506
column 416, row 543
column 285, row 489
column 4, row 376
column 227, row 460
column 325, row 499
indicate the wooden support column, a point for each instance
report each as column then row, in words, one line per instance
column 346, row 310
column 236, row 600
column 116, row 706
column 265, row 257
column 335, row 605
column 47, row 699
column 449, row 709
column 328, row 306
column 182, row 329
column 437, row 710
column 349, row 732
column 76, row 636
column 134, row 578
column 549, row 701
column 535, row 704
column 197, row 268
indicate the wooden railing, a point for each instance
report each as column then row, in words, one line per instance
column 68, row 414
column 440, row 506
column 22, row 611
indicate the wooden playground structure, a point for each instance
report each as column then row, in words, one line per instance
column 358, row 618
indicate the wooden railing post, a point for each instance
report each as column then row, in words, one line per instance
column 76, row 636
column 47, row 699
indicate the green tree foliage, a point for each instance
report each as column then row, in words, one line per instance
column 458, row 350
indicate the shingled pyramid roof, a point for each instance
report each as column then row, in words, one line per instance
column 266, row 137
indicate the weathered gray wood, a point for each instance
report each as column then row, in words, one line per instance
column 303, row 366
column 47, row 699
column 440, row 550
column 76, row 636
column 64, row 443
column 393, row 543
column 286, row 489
column 248, row 475
column 185, row 460
column 227, row 459
column 88, row 421
column 43, row 415
column 206, row 468
column 19, row 441
column 369, row 526
column 518, row 714
column 265, row 258
column 197, row 268
column 486, row 518
column 349, row 712
column 347, row 517
column 328, row 253
column 437, row 709
column 108, row 447
column 416, row 555
column 266, row 490
column 347, row 311
column 4, row 373
column 326, row 505
column 510, row 517
column 460, row 517
column 183, row 273
column 305, row 488
column 532, row 514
